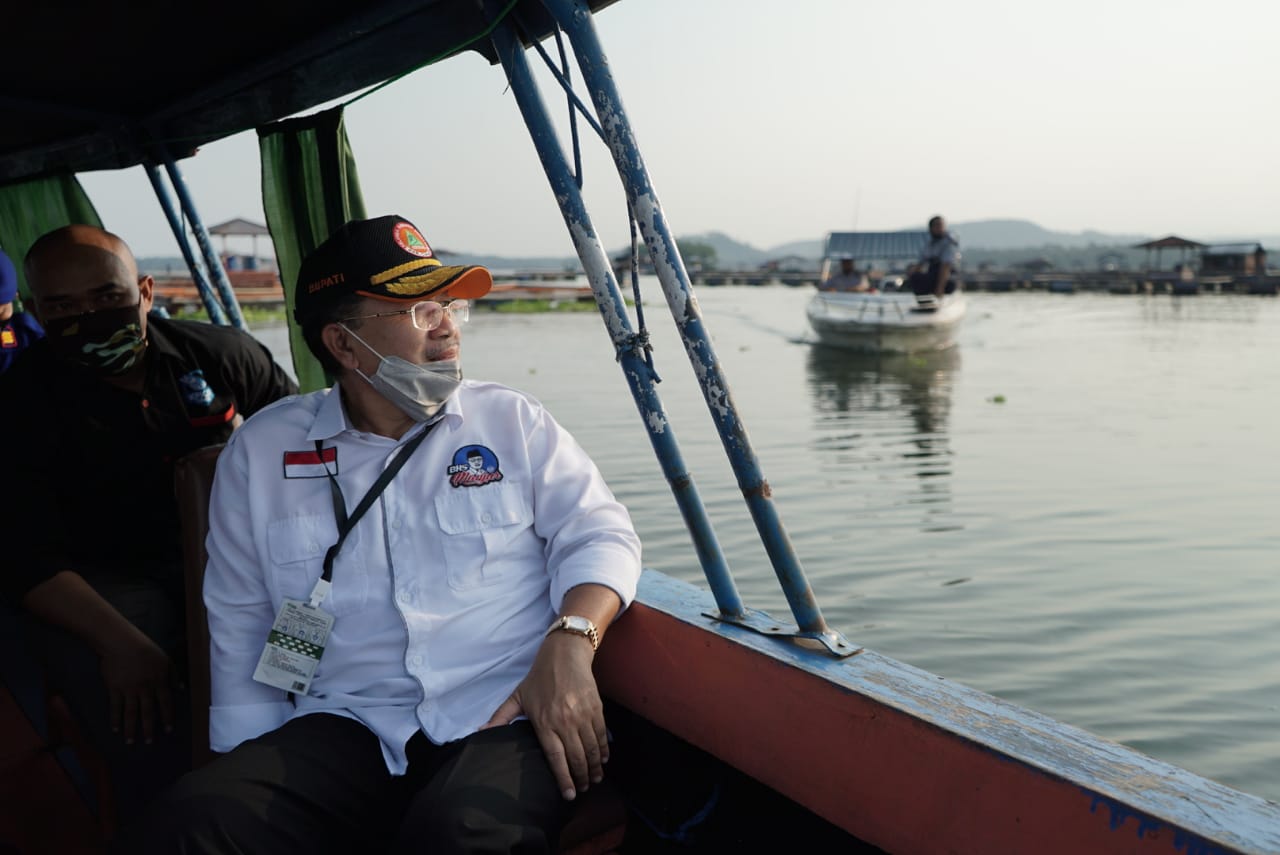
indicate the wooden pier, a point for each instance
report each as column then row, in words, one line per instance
column 753, row 277
column 1123, row 282
column 1064, row 282
column 261, row 289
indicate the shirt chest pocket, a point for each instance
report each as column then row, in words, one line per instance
column 483, row 528
column 296, row 547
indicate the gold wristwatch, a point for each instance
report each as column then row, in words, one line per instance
column 579, row 626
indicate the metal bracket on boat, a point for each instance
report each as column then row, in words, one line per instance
column 765, row 624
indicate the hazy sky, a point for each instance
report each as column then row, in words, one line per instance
column 781, row 122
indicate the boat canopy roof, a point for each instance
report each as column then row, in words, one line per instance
column 88, row 87
column 875, row 245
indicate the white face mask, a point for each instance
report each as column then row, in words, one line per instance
column 418, row 390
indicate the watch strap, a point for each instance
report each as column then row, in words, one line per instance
column 578, row 626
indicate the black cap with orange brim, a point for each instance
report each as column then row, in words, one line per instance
column 385, row 258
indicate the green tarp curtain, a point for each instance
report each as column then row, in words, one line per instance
column 309, row 189
column 28, row 209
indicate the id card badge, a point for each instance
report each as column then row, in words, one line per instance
column 294, row 646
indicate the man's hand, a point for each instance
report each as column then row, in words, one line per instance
column 136, row 671
column 560, row 698
column 137, row 674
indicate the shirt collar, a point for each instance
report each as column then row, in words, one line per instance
column 331, row 419
column 158, row 341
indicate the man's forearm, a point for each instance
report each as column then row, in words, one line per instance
column 597, row 603
column 66, row 600
column 944, row 273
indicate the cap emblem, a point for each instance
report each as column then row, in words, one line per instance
column 411, row 240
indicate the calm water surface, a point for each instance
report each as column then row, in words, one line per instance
column 1074, row 510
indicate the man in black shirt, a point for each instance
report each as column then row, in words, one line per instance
column 95, row 415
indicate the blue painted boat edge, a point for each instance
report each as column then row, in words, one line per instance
column 1120, row 780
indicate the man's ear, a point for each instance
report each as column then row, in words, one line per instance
column 341, row 345
column 146, row 292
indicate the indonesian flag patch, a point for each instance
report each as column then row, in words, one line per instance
column 311, row 464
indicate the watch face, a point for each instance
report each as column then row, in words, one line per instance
column 577, row 624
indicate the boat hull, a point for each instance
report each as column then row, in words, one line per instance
column 903, row 759
column 884, row 323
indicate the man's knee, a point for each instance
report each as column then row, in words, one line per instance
column 480, row 819
column 494, row 793
column 200, row 813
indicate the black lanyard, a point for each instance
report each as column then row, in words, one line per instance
column 346, row 523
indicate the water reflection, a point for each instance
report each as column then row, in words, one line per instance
column 883, row 421
column 843, row 382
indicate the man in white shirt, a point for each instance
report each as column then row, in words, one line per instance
column 848, row 278
column 426, row 676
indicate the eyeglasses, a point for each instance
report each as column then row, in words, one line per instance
column 426, row 315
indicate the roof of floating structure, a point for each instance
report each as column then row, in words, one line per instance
column 273, row 60
column 1238, row 248
column 1172, row 241
column 881, row 245
column 239, row 227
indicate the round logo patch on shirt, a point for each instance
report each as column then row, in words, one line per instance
column 195, row 389
column 473, row 466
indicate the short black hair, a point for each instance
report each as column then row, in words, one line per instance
column 936, row 218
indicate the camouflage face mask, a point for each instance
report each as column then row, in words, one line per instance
column 106, row 342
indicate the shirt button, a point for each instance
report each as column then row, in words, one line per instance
column 396, row 524
column 313, row 547
column 404, row 597
column 486, row 517
column 417, row 660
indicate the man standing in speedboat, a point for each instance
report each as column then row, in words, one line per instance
column 409, row 575
column 931, row 276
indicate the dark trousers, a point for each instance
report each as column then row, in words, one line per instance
column 71, row 668
column 927, row 283
column 319, row 784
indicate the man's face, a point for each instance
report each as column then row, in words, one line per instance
column 475, row 462
column 846, row 265
column 938, row 227
column 76, row 278
column 395, row 335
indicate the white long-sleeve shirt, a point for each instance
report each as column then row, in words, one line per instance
column 443, row 590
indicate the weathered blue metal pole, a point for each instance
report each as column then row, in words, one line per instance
column 211, row 259
column 595, row 262
column 575, row 18
column 211, row 305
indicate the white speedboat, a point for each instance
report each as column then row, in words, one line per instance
column 885, row 322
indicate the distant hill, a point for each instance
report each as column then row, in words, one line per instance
column 1023, row 234
column 989, row 241
column 729, row 252
column 802, row 248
